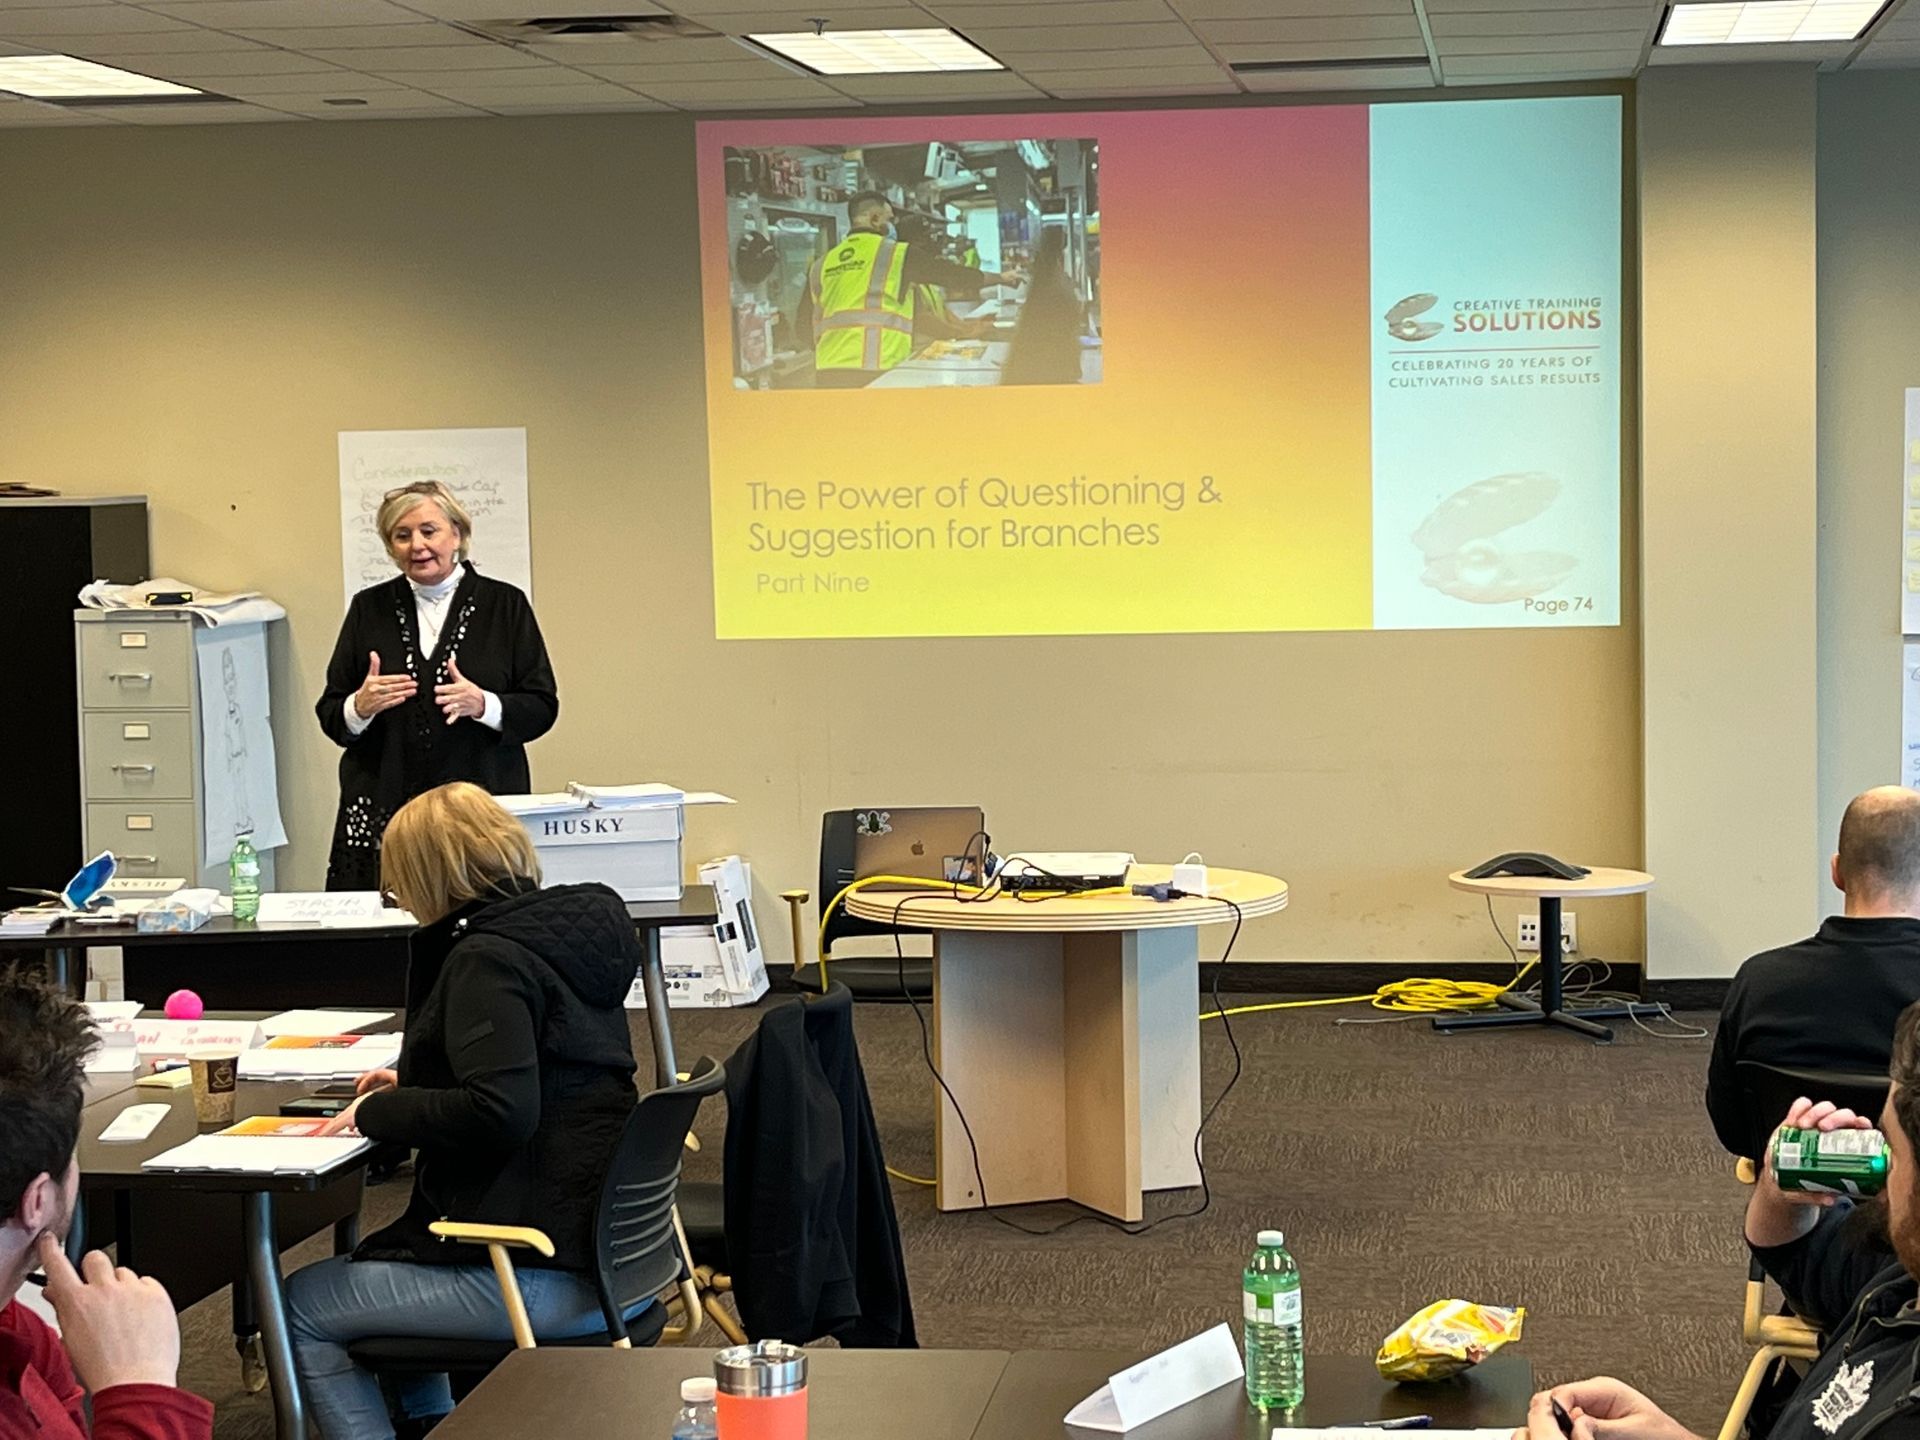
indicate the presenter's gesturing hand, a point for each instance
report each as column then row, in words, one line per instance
column 459, row 696
column 380, row 692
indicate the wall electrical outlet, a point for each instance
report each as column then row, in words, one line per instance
column 1529, row 932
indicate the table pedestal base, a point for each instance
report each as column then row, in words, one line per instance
column 1076, row 1058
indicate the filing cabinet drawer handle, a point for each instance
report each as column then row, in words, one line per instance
column 139, row 859
column 130, row 768
column 140, row 677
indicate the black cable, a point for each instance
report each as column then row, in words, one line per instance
column 973, row 1147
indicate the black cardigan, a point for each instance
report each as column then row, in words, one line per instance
column 409, row 749
column 516, row 1079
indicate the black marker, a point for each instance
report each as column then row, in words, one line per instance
column 1562, row 1418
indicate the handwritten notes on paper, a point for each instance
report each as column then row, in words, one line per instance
column 485, row 469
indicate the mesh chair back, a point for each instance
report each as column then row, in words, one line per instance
column 1770, row 1091
column 637, row 1253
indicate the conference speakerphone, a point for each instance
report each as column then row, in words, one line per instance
column 1069, row 870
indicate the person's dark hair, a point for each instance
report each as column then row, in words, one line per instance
column 1880, row 841
column 45, row 1039
column 863, row 202
column 1904, row 1069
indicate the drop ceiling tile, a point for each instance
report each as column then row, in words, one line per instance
column 185, row 114
column 745, row 68
column 717, row 50
column 1539, row 22
column 545, row 77
column 224, row 64
column 23, row 113
column 1240, row 54
column 1067, row 58
column 329, row 82
column 1538, row 44
column 1884, row 55
column 1003, row 41
column 739, row 92
column 1058, row 81
column 362, row 37
column 1143, row 91
column 1603, row 62
column 509, row 10
column 906, row 89
column 632, row 102
column 379, row 102
column 1276, row 82
column 246, row 15
column 84, row 20
column 1375, row 27
column 966, row 13
column 109, row 48
column 1648, row 8
column 431, row 57
column 485, row 96
column 608, row 50
column 726, row 107
column 732, row 20
column 1289, row 9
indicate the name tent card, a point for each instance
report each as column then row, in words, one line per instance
column 1165, row 1382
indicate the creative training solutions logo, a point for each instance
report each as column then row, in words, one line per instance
column 1404, row 322
column 1528, row 315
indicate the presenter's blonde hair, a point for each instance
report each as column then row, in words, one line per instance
column 401, row 503
column 452, row 845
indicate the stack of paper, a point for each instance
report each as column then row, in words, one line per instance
column 552, row 802
column 105, row 1010
column 272, row 1153
column 625, row 797
column 320, row 1057
column 31, row 921
column 321, row 1022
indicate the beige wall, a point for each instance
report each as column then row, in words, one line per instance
column 194, row 313
column 1869, row 354
column 1728, row 377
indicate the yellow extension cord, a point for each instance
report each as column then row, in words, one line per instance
column 1417, row 995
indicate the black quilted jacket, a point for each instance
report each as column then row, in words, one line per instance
column 517, row 1073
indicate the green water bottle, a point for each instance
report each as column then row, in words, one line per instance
column 243, row 871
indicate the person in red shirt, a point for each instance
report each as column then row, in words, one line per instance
column 121, row 1337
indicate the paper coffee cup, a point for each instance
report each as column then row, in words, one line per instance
column 215, row 1072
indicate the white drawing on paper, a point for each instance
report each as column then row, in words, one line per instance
column 241, row 790
column 235, row 725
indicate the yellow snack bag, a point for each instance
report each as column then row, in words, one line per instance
column 1445, row 1338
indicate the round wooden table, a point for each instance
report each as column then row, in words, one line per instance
column 1068, row 1030
column 1549, row 891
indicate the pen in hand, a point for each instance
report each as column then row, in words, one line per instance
column 1398, row 1422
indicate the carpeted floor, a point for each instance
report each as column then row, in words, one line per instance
column 1405, row 1166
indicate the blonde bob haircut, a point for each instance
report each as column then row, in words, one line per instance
column 452, row 845
column 401, row 503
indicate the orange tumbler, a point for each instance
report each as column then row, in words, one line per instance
column 762, row 1391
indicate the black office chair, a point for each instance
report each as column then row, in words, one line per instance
column 638, row 1256
column 1768, row 1092
column 869, row 977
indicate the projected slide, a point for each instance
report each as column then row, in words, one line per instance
column 1315, row 368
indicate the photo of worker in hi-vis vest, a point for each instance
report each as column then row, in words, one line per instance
column 912, row 265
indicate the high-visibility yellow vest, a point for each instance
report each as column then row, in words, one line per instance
column 929, row 303
column 863, row 312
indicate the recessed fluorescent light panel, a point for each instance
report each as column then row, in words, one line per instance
column 1769, row 22
column 62, row 77
column 879, row 52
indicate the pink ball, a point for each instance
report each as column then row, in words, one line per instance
column 184, row 1005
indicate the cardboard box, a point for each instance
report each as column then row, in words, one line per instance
column 635, row 848
column 719, row 966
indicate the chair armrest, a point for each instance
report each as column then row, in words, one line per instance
column 523, row 1237
column 1745, row 1171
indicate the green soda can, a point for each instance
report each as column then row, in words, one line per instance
column 1830, row 1162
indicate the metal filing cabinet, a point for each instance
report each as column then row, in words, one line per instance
column 140, row 776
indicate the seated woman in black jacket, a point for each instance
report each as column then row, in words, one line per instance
column 514, row 1084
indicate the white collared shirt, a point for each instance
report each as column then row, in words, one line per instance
column 431, row 605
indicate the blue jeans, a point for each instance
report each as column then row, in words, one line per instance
column 336, row 1301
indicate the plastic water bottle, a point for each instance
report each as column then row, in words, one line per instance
column 696, row 1420
column 243, row 870
column 1270, row 1301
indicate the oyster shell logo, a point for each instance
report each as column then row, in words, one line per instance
column 1461, row 540
column 1403, row 320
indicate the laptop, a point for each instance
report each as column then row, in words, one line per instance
column 936, row 843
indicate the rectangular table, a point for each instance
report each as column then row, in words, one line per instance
column 1040, row 1386
column 274, row 1211
column 607, row 1394
column 245, row 965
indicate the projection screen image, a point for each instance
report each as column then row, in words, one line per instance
column 1317, row 368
